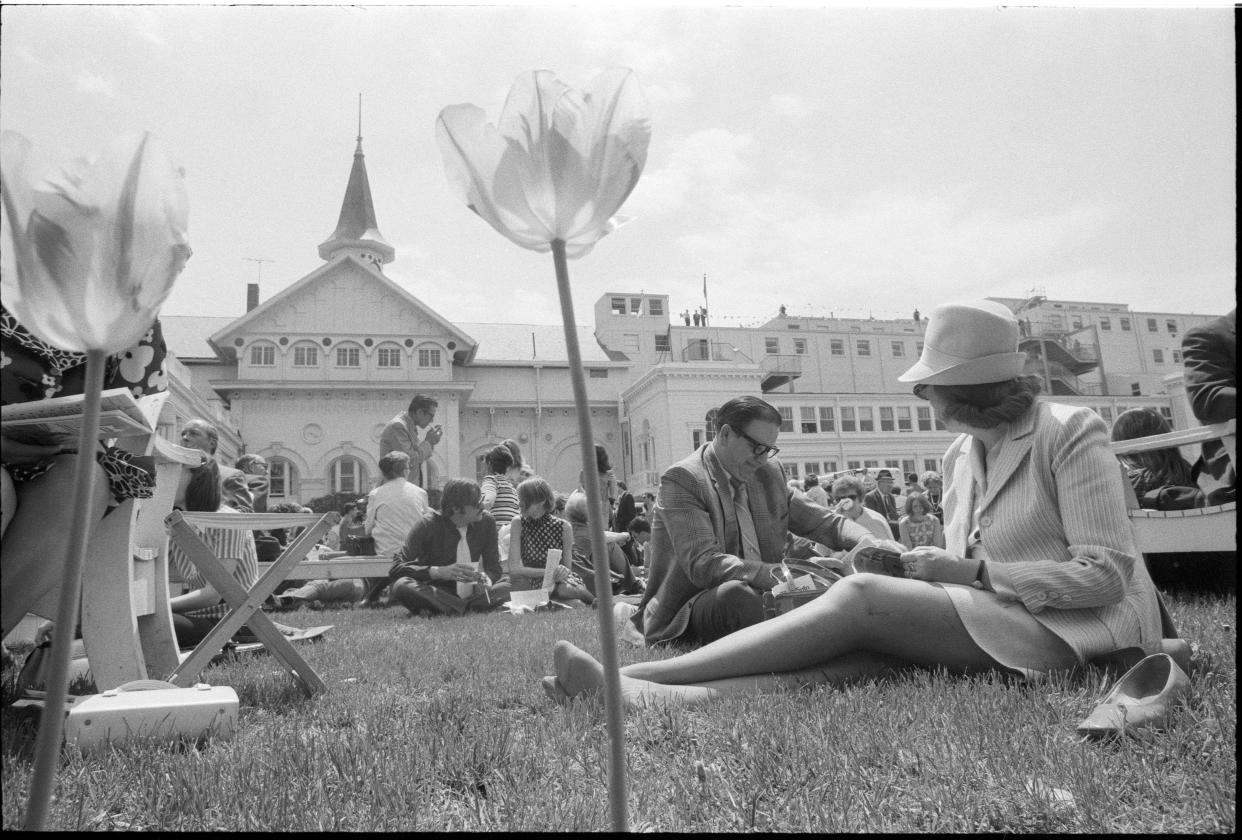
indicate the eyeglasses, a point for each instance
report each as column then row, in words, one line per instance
column 919, row 390
column 757, row 448
column 847, row 496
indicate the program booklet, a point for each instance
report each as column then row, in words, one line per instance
column 59, row 420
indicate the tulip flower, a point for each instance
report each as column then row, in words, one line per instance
column 550, row 177
column 89, row 256
column 96, row 248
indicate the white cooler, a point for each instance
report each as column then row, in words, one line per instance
column 161, row 713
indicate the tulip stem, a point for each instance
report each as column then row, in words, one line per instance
column 52, row 721
column 614, row 713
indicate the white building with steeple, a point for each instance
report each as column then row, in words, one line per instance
column 309, row 377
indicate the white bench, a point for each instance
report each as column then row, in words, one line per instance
column 1207, row 529
column 338, row 568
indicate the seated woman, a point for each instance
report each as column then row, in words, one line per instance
column 1040, row 571
column 918, row 526
column 1150, row 471
column 499, row 486
column 530, row 537
column 619, row 571
column 200, row 608
column 37, row 476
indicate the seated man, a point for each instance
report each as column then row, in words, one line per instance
column 1210, row 354
column 393, row 509
column 451, row 562
column 202, row 435
column 719, row 530
column 847, row 495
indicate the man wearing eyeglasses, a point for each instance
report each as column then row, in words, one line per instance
column 401, row 435
column 719, row 529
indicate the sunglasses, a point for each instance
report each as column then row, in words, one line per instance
column 757, row 448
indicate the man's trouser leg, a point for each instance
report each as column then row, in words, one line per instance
column 724, row 610
column 416, row 597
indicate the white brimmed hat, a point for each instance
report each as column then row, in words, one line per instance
column 968, row 343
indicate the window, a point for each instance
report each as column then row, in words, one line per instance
column 853, row 465
column 903, row 421
column 892, row 464
column 348, row 475
column 800, row 346
column 899, row 349
column 811, row 467
column 263, row 355
column 389, row 357
column 629, row 341
column 696, row 350
column 939, row 425
column 847, row 419
column 907, row 467
column 348, row 357
column 1125, row 324
column 1177, row 357
column 871, row 464
column 887, row 423
column 663, row 344
column 598, row 373
column 1167, row 412
column 1136, row 390
column 786, row 418
column 696, row 438
column 1157, row 356
column 655, row 306
column 866, row 419
column 305, row 355
column 1106, row 411
column 826, row 421
column 809, row 426
column 836, row 346
column 281, row 479
column 636, row 306
column 829, row 468
column 428, row 358
column 771, row 345
column 618, row 305
column 792, row 470
column 923, row 413
column 930, row 464
column 918, row 348
column 864, row 347
column 1152, row 326
column 1171, row 325
column 1106, row 323
column 1077, row 322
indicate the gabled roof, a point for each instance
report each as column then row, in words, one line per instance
column 220, row 339
column 532, row 344
column 187, row 335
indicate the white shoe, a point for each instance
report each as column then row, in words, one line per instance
column 626, row 631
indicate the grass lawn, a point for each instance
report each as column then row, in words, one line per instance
column 440, row 724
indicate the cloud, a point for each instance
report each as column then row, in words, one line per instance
column 700, row 168
column 90, row 82
column 790, row 105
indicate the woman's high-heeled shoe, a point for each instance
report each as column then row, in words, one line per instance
column 1144, row 696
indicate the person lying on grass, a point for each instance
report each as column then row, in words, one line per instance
column 1040, row 571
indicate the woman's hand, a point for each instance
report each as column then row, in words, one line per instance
column 930, row 563
column 560, row 575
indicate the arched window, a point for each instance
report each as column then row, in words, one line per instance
column 347, row 355
column 305, row 355
column 348, row 475
column 388, row 355
column 262, row 354
column 282, row 480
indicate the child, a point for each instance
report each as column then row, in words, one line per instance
column 530, row 537
column 918, row 526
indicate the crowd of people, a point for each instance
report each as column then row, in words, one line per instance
column 1019, row 558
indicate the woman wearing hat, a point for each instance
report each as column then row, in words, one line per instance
column 1039, row 572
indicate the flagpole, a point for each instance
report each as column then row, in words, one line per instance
column 705, row 307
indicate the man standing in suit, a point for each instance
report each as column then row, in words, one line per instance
column 1210, row 355
column 881, row 500
column 401, row 435
column 719, row 530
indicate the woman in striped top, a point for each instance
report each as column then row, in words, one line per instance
column 200, row 608
column 1040, row 571
column 499, row 486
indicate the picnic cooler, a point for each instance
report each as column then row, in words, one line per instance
column 133, row 711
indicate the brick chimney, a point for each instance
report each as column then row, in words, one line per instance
column 252, row 296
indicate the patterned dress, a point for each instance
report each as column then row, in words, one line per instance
column 538, row 535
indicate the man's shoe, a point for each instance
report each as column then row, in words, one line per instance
column 1143, row 697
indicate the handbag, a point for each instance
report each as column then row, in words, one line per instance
column 804, row 581
column 360, row 546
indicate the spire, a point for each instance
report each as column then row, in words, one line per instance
column 356, row 230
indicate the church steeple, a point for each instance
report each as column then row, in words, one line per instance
column 356, row 229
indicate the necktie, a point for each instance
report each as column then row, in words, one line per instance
column 745, row 523
column 464, row 590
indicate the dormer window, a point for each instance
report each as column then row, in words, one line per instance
column 349, row 357
column 263, row 355
column 306, row 355
column 428, row 358
column 389, row 356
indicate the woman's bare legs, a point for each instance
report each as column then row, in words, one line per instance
column 863, row 626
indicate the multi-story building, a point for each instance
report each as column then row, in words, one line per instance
column 308, row 377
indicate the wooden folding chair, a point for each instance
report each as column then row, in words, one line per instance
column 245, row 605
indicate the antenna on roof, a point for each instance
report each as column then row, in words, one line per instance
column 260, row 263
column 360, row 117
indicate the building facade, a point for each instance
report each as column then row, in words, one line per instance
column 309, row 377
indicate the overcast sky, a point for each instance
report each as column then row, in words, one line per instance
column 852, row 162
